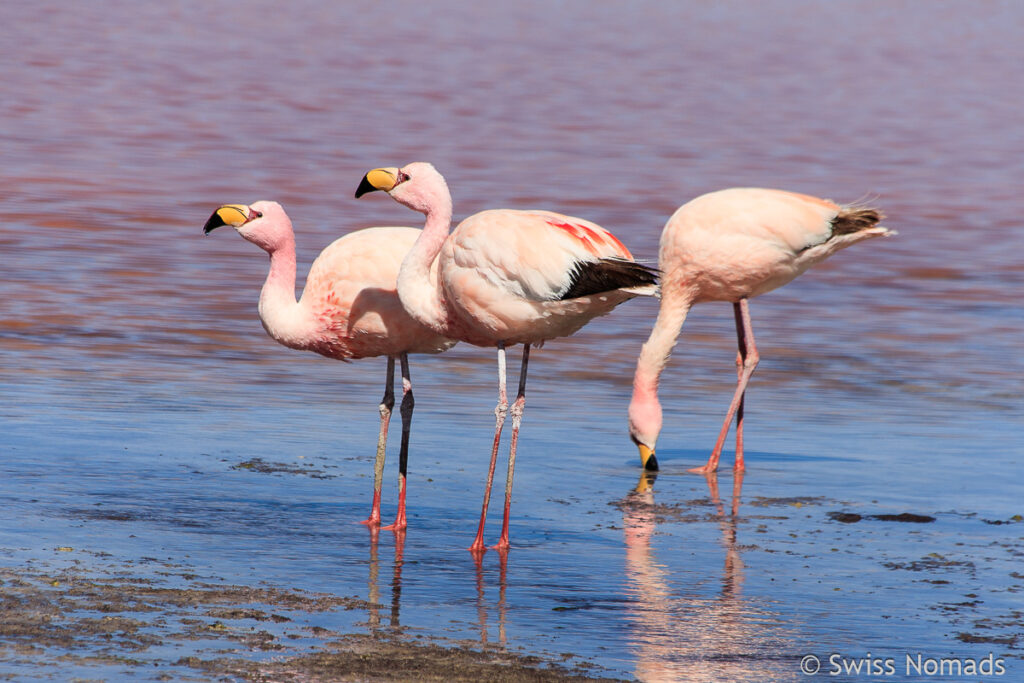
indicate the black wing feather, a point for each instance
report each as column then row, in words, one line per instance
column 607, row 275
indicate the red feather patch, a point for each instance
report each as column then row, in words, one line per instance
column 589, row 237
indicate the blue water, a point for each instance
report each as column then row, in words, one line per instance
column 135, row 377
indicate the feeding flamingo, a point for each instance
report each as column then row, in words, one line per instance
column 732, row 245
column 349, row 309
column 505, row 277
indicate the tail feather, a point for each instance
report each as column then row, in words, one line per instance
column 854, row 219
column 610, row 274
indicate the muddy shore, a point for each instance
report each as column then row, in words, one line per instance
column 130, row 628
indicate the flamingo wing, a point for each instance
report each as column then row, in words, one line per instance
column 544, row 256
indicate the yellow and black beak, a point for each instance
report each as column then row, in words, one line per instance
column 647, row 459
column 235, row 215
column 646, row 482
column 378, row 179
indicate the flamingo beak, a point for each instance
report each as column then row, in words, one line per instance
column 647, row 459
column 235, row 215
column 378, row 179
column 646, row 482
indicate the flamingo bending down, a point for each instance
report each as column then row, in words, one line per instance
column 732, row 245
column 349, row 309
column 505, row 277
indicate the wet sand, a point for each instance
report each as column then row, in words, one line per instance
column 116, row 626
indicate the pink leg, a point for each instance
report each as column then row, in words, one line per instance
column 403, row 455
column 517, row 419
column 750, row 360
column 499, row 413
column 386, row 404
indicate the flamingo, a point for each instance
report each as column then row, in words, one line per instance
column 349, row 309
column 732, row 245
column 505, row 277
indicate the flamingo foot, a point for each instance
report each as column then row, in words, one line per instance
column 478, row 547
column 706, row 469
column 502, row 545
column 399, row 523
column 374, row 519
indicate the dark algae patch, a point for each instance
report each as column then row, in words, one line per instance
column 932, row 562
column 1016, row 519
column 845, row 517
column 905, row 517
column 997, row 640
column 787, row 501
column 265, row 467
column 387, row 658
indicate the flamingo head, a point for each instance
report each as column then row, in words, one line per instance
column 265, row 224
column 644, row 427
column 418, row 185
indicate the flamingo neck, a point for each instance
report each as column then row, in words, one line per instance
column 282, row 316
column 418, row 289
column 644, row 408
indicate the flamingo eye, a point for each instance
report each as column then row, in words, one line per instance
column 259, row 214
column 403, row 176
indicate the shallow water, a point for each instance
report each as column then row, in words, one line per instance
column 136, row 378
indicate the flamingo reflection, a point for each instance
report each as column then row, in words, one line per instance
column 680, row 637
column 375, row 620
column 373, row 588
column 481, row 601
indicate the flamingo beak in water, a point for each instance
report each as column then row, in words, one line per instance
column 646, row 482
column 647, row 459
column 235, row 215
column 378, row 179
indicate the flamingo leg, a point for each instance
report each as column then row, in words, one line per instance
column 517, row 419
column 408, row 403
column 748, row 352
column 741, row 357
column 386, row 404
column 499, row 413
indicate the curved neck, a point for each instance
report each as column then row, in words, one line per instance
column 421, row 294
column 655, row 352
column 644, row 406
column 280, row 313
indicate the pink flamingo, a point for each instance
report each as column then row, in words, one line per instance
column 502, row 278
column 349, row 309
column 732, row 245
